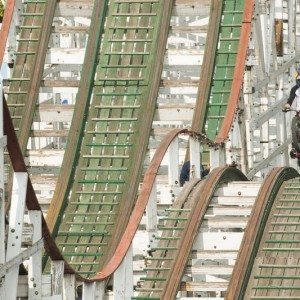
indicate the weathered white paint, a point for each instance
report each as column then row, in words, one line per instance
column 195, row 158
column 151, row 213
column 35, row 262
column 16, row 216
column 57, row 272
column 123, row 278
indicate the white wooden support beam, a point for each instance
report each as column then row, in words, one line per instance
column 123, row 278
column 57, row 275
column 2, row 198
column 195, row 158
column 16, row 216
column 264, row 131
column 151, row 214
column 2, row 287
column 69, row 287
column 35, row 262
column 233, row 145
column 291, row 24
column 260, row 34
column 174, row 163
column 217, row 157
column 24, row 255
column 265, row 162
column 99, row 290
column 282, row 160
column 88, row 291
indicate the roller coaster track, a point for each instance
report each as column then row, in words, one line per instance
column 269, row 263
column 221, row 77
column 94, row 213
column 27, row 73
column 115, row 135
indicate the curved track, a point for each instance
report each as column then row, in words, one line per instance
column 222, row 77
column 179, row 230
column 268, row 264
column 99, row 195
column 94, row 214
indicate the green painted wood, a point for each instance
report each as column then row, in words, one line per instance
column 225, row 59
column 105, row 158
column 276, row 269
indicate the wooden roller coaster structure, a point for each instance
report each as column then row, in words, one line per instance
column 95, row 213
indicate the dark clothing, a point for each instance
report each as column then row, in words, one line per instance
column 292, row 94
column 185, row 172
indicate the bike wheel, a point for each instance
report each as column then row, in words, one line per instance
column 296, row 133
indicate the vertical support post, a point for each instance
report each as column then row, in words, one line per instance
column 151, row 213
column 2, row 198
column 248, row 108
column 233, row 145
column 123, row 278
column 264, row 131
column 291, row 25
column 57, row 275
column 281, row 134
column 99, row 290
column 14, row 239
column 174, row 162
column 35, row 262
column 69, row 287
column 217, row 157
column 88, row 292
column 195, row 161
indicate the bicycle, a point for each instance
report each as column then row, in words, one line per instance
column 295, row 151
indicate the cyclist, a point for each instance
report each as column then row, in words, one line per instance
column 294, row 93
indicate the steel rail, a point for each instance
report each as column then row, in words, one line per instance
column 238, row 72
column 202, row 197
column 254, row 230
column 8, row 15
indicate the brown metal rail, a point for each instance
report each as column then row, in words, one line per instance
column 255, row 228
column 8, row 13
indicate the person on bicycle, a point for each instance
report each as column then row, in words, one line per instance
column 294, row 93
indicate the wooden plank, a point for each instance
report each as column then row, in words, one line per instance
column 17, row 210
column 204, row 287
